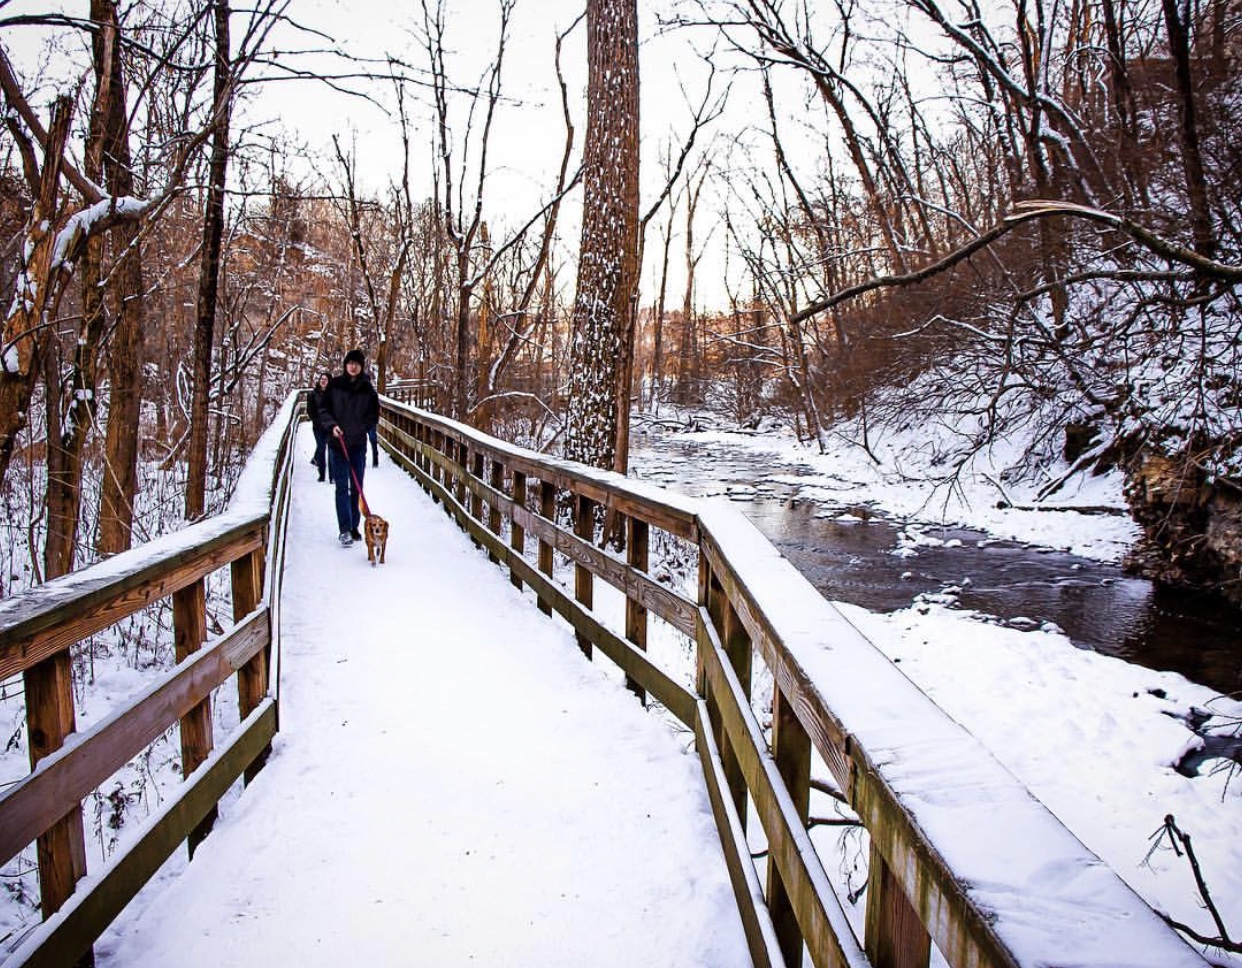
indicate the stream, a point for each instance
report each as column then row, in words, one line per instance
column 853, row 555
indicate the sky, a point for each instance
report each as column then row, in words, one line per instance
column 468, row 758
column 298, row 118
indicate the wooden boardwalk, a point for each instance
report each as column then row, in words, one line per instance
column 452, row 784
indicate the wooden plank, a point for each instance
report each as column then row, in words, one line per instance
column 829, row 939
column 517, row 534
column 247, row 590
column 547, row 512
column 828, row 735
column 676, row 699
column 895, row 936
column 677, row 611
column 189, row 634
column 674, row 609
column 761, row 939
column 584, row 585
column 476, row 474
column 86, row 916
column 49, row 722
column 67, row 776
column 252, row 678
column 497, row 481
column 791, row 750
column 52, row 624
column 736, row 643
column 637, row 557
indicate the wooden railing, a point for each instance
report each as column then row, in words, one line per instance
column 961, row 855
column 37, row 631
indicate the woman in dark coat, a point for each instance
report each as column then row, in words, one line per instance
column 314, row 404
column 350, row 409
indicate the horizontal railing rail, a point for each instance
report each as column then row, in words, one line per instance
column 37, row 631
column 960, row 853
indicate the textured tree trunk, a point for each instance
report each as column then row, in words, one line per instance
column 209, row 273
column 608, row 255
column 1192, row 153
column 125, row 361
column 37, row 292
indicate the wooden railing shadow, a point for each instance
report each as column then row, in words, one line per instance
column 37, row 631
column 960, row 853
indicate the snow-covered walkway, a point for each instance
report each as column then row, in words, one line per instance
column 453, row 784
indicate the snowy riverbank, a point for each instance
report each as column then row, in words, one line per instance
column 1094, row 737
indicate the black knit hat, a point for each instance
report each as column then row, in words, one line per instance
column 356, row 356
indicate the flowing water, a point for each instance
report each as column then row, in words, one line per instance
column 868, row 561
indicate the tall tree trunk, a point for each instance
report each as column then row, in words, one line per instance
column 1177, row 22
column 125, row 364
column 209, row 272
column 70, row 416
column 608, row 255
column 119, row 484
column 657, row 321
column 37, row 293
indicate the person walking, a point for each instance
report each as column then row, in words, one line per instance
column 350, row 409
column 314, row 404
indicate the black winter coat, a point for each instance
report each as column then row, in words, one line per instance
column 351, row 404
column 314, row 405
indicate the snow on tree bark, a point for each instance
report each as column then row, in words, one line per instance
column 608, row 254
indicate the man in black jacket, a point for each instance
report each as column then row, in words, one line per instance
column 349, row 410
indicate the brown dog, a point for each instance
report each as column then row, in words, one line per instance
column 375, row 529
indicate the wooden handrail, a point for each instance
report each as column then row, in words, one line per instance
column 38, row 627
column 915, row 778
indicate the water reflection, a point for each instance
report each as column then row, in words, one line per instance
column 880, row 566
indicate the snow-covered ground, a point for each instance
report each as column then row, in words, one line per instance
column 452, row 784
column 1095, row 738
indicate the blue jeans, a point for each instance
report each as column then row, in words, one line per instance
column 348, row 512
column 321, row 442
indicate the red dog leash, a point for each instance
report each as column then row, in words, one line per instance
column 362, row 498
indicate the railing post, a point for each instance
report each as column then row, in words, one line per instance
column 547, row 510
column 437, row 443
column 247, row 577
column 736, row 645
column 636, row 555
column 584, row 581
column 496, row 479
column 476, row 499
column 189, row 634
column 894, row 936
column 462, row 458
column 791, row 748
column 517, row 534
column 706, row 580
column 49, row 720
